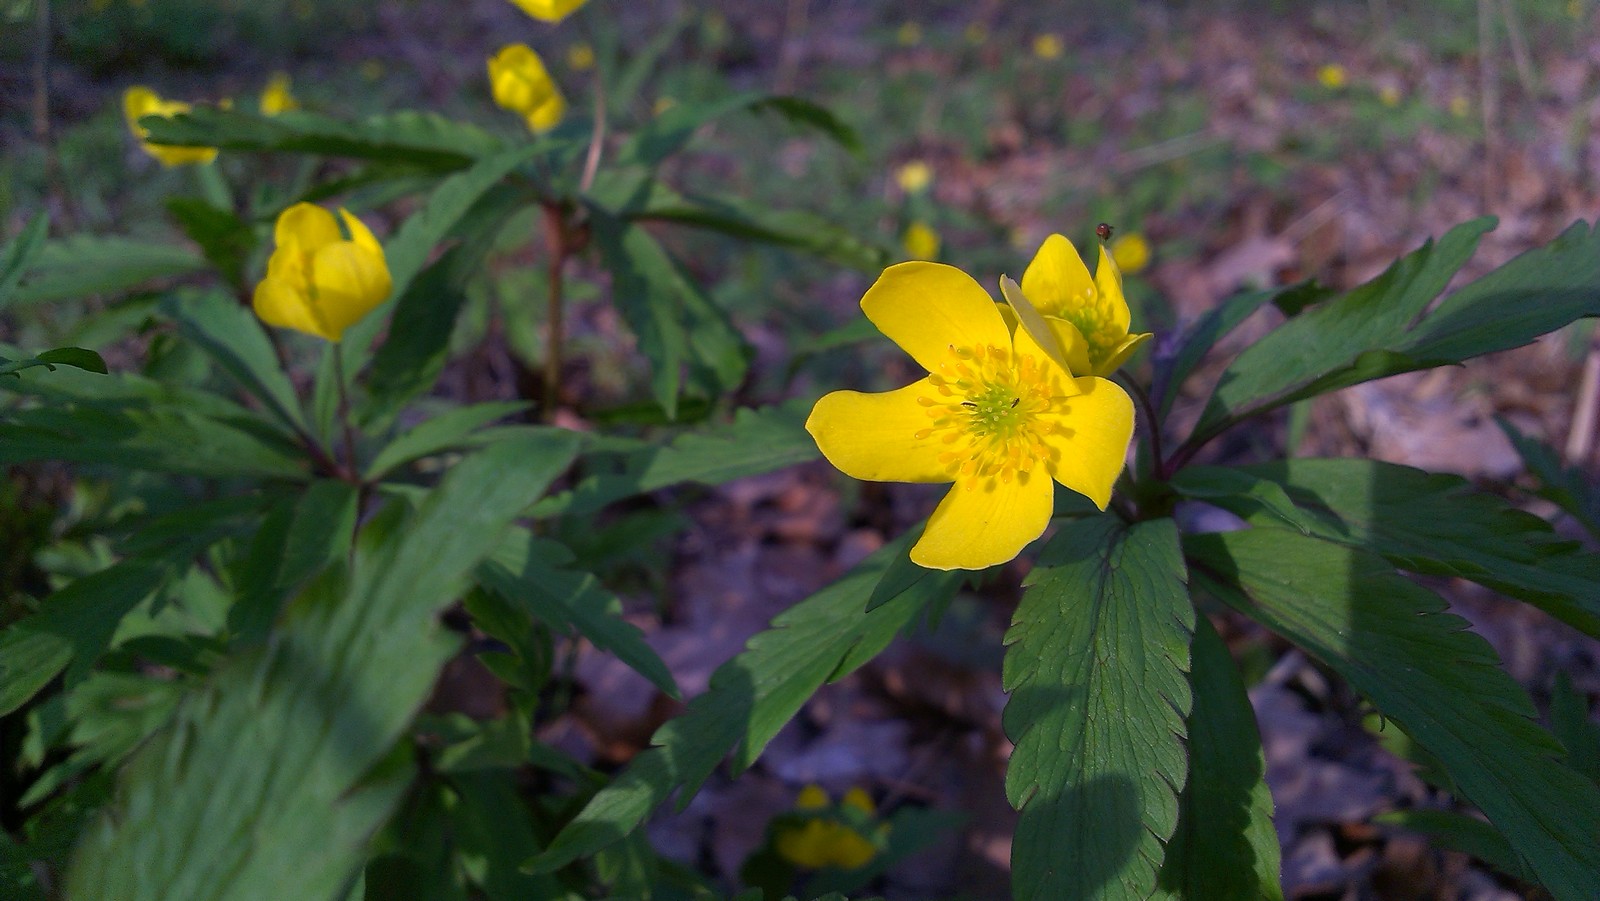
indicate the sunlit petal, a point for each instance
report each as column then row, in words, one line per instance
column 1108, row 281
column 1090, row 442
column 1057, row 280
column 1122, row 352
column 927, row 307
column 874, row 436
column 280, row 304
column 349, row 282
column 984, row 521
column 307, row 227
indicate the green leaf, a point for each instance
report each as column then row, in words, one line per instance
column 299, row 737
column 531, row 574
column 77, row 357
column 451, row 430
column 163, row 438
column 1331, row 345
column 1463, row 833
column 1199, row 339
column 821, row 639
column 75, row 625
column 1565, row 486
column 232, row 336
column 421, row 138
column 82, row 265
column 1236, row 489
column 1225, row 845
column 493, row 835
column 110, row 714
column 757, row 441
column 1096, row 663
column 1427, row 672
column 224, row 238
column 1569, row 720
column 815, row 116
column 793, row 229
column 1438, row 524
column 18, row 254
column 300, row 537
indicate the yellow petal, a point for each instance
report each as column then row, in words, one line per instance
column 174, row 155
column 549, row 10
column 306, row 227
column 278, row 303
column 807, row 845
column 1091, row 440
column 277, row 97
column 860, row 800
column 349, row 282
column 1108, row 281
column 812, row 797
column 138, row 102
column 1056, row 280
column 548, row 114
column 927, row 307
column 519, row 80
column 1122, row 352
column 984, row 521
column 360, row 234
column 1057, row 344
column 848, row 850
column 874, row 436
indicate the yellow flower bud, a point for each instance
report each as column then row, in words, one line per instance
column 275, row 97
column 909, row 34
column 1332, row 76
column 549, row 10
column 580, row 57
column 320, row 279
column 812, row 797
column 920, row 241
column 138, row 102
column 1131, row 252
column 914, row 177
column 521, row 84
column 1048, row 46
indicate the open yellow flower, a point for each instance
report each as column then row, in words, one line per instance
column 549, row 10
column 276, row 97
column 920, row 241
column 1332, row 76
column 1086, row 319
column 914, row 177
column 824, row 841
column 522, row 84
column 138, row 102
column 319, row 281
column 1131, row 252
column 997, row 415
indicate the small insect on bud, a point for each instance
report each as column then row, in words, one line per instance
column 1103, row 230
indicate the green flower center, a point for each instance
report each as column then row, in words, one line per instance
column 990, row 411
column 1099, row 331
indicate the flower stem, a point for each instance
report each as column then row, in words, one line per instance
column 555, row 238
column 1152, row 425
column 351, row 469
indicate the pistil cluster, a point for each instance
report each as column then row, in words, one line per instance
column 989, row 409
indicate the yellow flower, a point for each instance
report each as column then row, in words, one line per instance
column 914, row 177
column 549, row 10
column 823, row 841
column 997, row 415
column 318, row 280
column 371, row 69
column 909, row 34
column 662, row 104
column 580, row 57
column 1460, row 106
column 920, row 241
column 976, row 33
column 138, row 102
column 275, row 97
column 521, row 83
column 1332, row 76
column 1083, row 322
column 1389, row 95
column 1131, row 252
column 1048, row 46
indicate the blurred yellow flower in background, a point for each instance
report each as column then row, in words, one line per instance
column 998, row 415
column 909, row 34
column 1389, row 95
column 1131, row 252
column 1332, row 76
column 138, row 102
column 1082, row 322
column 1460, row 106
column 921, row 242
column 522, row 84
column 821, row 841
column 549, row 10
column 580, row 57
column 1048, row 46
column 976, row 32
column 321, row 278
column 914, row 177
column 276, row 97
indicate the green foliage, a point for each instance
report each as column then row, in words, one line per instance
column 1427, row 673
column 1096, row 663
